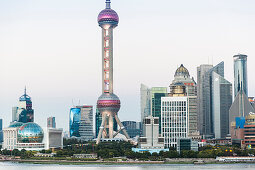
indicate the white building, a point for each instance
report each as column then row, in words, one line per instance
column 152, row 141
column 31, row 136
column 174, row 119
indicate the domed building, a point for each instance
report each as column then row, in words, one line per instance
column 30, row 133
column 182, row 76
column 31, row 136
column 180, row 106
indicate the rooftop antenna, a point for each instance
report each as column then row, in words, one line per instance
column 25, row 91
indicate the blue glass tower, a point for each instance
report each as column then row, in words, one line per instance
column 240, row 74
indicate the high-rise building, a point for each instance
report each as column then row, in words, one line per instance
column 51, row 122
column 221, row 102
column 108, row 103
column 24, row 112
column 145, row 101
column 182, row 80
column 81, row 122
column 206, row 92
column 241, row 106
column 151, row 101
column 240, row 74
column 201, row 70
column 174, row 119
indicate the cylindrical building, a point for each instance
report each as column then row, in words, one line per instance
column 240, row 74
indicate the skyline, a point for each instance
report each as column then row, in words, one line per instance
column 40, row 40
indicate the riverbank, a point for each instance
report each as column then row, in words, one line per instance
column 167, row 161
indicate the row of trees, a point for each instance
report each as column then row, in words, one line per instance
column 121, row 149
column 23, row 153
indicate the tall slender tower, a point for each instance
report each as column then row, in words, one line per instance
column 108, row 103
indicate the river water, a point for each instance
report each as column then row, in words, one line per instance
column 23, row 166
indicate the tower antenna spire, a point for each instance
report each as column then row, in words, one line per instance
column 25, row 90
column 108, row 4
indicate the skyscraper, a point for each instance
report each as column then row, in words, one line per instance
column 108, row 103
column 182, row 79
column 221, row 102
column 81, row 122
column 241, row 106
column 151, row 102
column 24, row 112
column 145, row 101
column 207, row 92
column 240, row 74
column 201, row 70
column 51, row 122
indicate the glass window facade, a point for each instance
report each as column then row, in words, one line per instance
column 240, row 74
column 30, row 133
column 74, row 124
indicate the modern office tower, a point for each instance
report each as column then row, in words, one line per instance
column 205, row 102
column 174, row 119
column 145, row 101
column 24, row 112
column 133, row 128
column 221, row 102
column 182, row 80
column 1, row 130
column 51, row 122
column 151, row 142
column 156, row 94
column 240, row 74
column 201, row 70
column 108, row 103
column 151, row 101
column 81, row 122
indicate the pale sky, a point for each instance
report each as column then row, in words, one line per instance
column 54, row 48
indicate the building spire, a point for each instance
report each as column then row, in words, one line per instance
column 108, row 4
column 25, row 90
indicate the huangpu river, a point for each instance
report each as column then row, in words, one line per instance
column 23, row 166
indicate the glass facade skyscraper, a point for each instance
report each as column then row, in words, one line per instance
column 240, row 74
column 221, row 102
column 81, row 122
column 24, row 112
column 206, row 91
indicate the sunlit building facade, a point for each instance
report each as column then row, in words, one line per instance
column 81, row 122
column 174, row 119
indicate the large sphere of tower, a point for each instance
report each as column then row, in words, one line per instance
column 108, row 102
column 108, row 17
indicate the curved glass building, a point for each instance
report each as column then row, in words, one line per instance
column 240, row 74
column 30, row 133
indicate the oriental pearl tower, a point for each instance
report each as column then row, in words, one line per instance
column 108, row 103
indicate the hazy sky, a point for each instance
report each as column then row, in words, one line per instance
column 54, row 48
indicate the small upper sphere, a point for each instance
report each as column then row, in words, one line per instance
column 108, row 17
